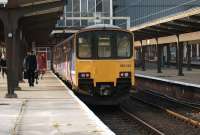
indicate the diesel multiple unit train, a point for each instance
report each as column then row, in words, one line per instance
column 97, row 63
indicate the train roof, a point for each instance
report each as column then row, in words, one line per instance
column 97, row 26
column 102, row 26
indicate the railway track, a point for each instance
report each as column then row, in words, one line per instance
column 147, row 115
column 123, row 122
column 159, row 119
column 144, row 115
column 183, row 111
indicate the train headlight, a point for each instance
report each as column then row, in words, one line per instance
column 125, row 74
column 87, row 75
column 84, row 75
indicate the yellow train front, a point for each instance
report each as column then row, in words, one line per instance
column 99, row 64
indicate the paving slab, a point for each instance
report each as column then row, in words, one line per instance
column 49, row 108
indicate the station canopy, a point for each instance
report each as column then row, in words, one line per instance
column 184, row 22
column 25, row 3
column 39, row 19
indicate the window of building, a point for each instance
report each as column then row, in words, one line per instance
column 91, row 8
column 99, row 6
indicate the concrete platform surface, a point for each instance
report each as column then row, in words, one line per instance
column 49, row 108
column 190, row 77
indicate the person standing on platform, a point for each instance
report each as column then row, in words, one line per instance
column 42, row 64
column 3, row 65
column 31, row 66
column 0, row 63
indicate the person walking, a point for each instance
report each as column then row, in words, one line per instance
column 3, row 65
column 31, row 66
column 42, row 64
column 0, row 65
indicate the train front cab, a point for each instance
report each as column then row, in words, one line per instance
column 106, row 69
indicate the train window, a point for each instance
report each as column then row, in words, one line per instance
column 104, row 46
column 123, row 45
column 84, row 49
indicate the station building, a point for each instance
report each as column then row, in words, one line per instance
column 143, row 12
column 82, row 13
column 77, row 12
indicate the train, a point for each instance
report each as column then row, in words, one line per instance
column 97, row 63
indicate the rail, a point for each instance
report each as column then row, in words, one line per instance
column 172, row 113
column 153, row 130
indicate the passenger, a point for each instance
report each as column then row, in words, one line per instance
column 36, row 76
column 3, row 65
column 42, row 65
column 0, row 63
column 25, row 73
column 31, row 66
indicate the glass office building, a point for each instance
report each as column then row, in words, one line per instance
column 142, row 11
column 77, row 12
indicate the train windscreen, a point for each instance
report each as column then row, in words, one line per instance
column 123, row 45
column 85, row 46
column 105, row 45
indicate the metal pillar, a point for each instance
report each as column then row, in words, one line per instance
column 111, row 11
column 143, row 57
column 140, row 56
column 199, row 51
column 168, row 55
column 180, row 56
column 176, row 57
column 159, row 55
column 189, row 57
column 10, row 27
column 52, row 56
column 17, row 58
column 21, row 58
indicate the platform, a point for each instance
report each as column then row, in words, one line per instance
column 170, row 75
column 184, row 88
column 49, row 108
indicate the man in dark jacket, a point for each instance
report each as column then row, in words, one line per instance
column 31, row 66
column 3, row 65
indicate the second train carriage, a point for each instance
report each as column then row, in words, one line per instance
column 98, row 63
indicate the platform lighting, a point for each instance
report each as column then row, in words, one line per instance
column 61, row 18
column 10, row 35
column 148, row 41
